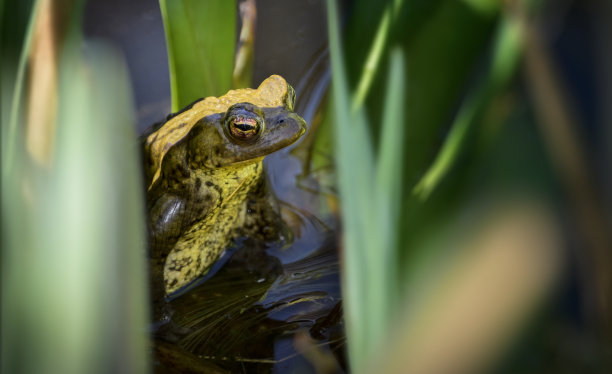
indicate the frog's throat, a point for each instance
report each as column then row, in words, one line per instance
column 241, row 163
column 200, row 247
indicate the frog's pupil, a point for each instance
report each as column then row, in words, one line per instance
column 244, row 126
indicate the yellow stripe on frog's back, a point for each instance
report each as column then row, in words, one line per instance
column 272, row 92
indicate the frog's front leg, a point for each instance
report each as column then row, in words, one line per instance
column 166, row 223
column 262, row 218
column 165, row 226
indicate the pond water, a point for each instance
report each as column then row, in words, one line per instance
column 275, row 308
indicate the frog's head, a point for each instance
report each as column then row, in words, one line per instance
column 242, row 126
column 245, row 132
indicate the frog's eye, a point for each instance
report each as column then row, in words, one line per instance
column 244, row 123
column 243, row 128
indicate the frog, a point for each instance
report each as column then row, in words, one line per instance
column 205, row 181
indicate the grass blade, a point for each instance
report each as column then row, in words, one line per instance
column 9, row 136
column 376, row 52
column 355, row 168
column 369, row 203
column 73, row 273
column 200, row 38
column 507, row 50
column 388, row 191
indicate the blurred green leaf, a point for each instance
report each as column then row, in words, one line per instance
column 200, row 38
column 13, row 79
column 459, row 58
column 370, row 66
column 245, row 55
column 374, row 189
column 73, row 280
column 97, row 188
column 355, row 169
column 484, row 6
column 389, row 190
column 505, row 59
column 442, row 52
column 369, row 189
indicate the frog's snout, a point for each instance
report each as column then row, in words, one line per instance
column 298, row 125
column 285, row 130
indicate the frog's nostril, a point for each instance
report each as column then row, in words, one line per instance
column 280, row 121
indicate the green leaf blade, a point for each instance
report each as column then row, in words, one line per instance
column 200, row 37
column 388, row 185
column 355, row 169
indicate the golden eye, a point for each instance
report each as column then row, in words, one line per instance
column 243, row 128
column 243, row 123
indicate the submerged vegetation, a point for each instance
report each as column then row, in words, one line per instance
column 462, row 180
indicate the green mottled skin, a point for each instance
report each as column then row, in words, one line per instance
column 211, row 188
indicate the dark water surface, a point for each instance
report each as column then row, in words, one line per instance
column 267, row 309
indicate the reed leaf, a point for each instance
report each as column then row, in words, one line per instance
column 355, row 168
column 13, row 105
column 200, row 38
column 504, row 60
column 388, row 191
column 73, row 273
column 370, row 187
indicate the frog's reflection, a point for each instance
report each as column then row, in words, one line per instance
column 237, row 317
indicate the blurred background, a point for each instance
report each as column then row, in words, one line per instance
column 457, row 165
